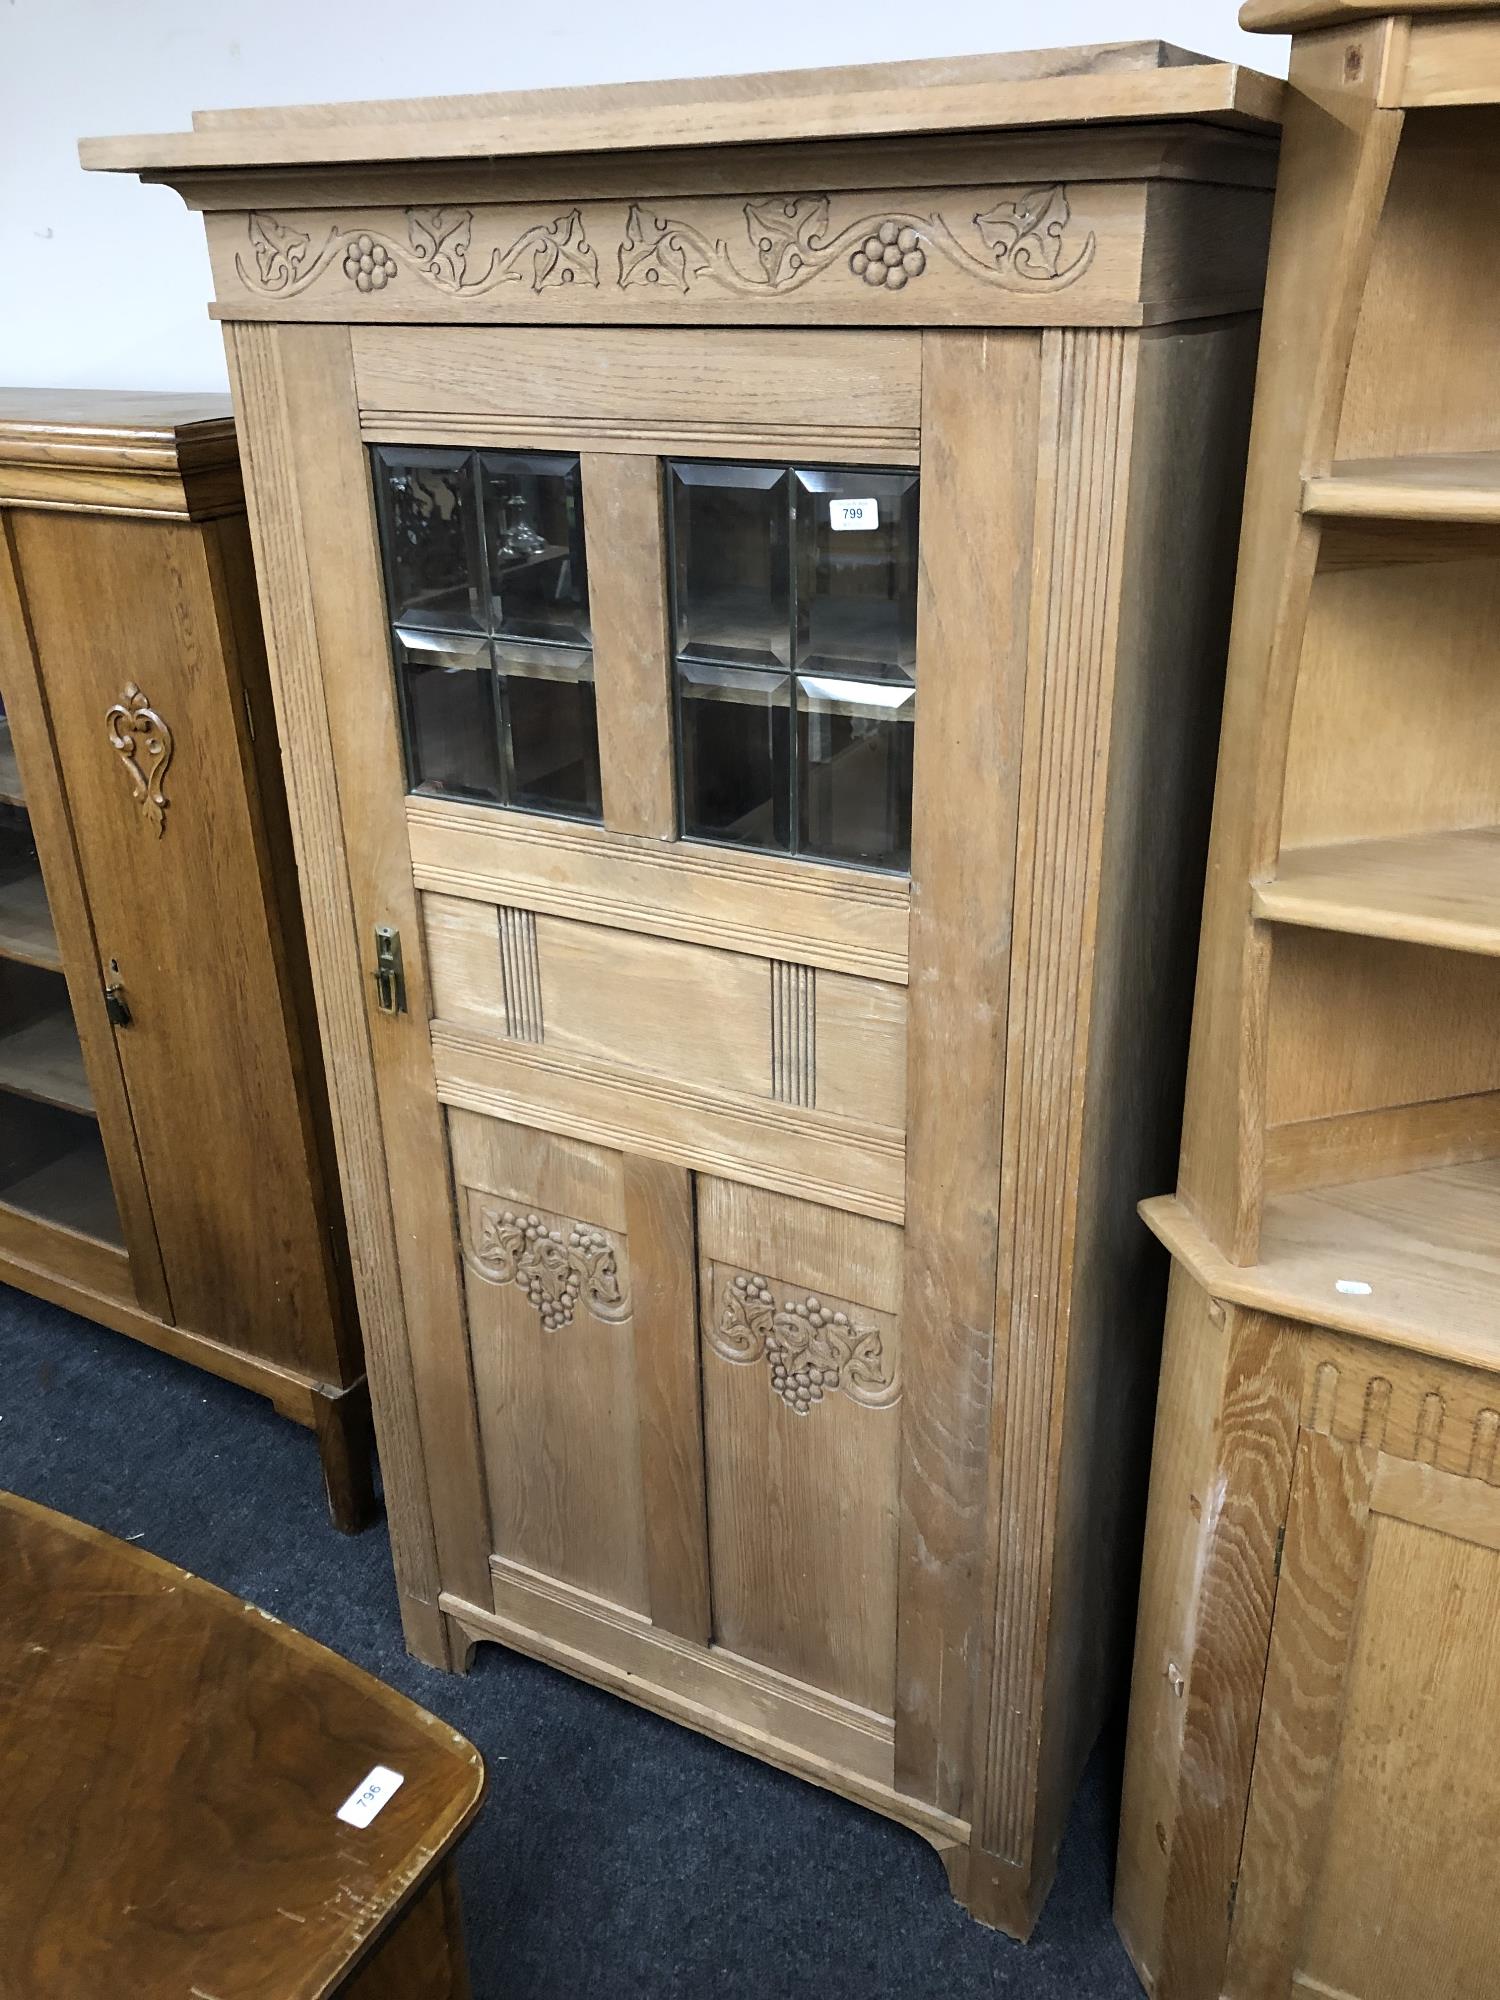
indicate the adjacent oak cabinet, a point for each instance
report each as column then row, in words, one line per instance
column 166, row 1164
column 746, row 569
column 1312, row 1805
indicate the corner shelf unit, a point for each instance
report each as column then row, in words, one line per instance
column 1322, row 1565
column 1344, row 1032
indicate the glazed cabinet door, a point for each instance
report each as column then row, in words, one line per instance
column 612, row 643
column 1368, row 1864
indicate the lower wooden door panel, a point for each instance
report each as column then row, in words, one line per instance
column 785, row 1378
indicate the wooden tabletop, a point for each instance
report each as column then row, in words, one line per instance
column 1116, row 81
column 174, row 1762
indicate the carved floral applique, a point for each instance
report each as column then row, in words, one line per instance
column 555, row 1263
column 811, row 1349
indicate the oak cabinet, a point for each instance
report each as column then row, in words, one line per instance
column 1310, row 1806
column 166, row 1165
column 746, row 621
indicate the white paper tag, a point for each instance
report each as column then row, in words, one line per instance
column 846, row 514
column 370, row 1796
column 1353, row 1288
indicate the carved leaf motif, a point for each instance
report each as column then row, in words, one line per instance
column 441, row 238
column 655, row 252
column 1028, row 231
column 788, row 235
column 564, row 254
column 554, row 1262
column 143, row 743
column 280, row 251
column 810, row 1347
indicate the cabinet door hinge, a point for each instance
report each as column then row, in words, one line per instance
column 390, row 980
column 1280, row 1548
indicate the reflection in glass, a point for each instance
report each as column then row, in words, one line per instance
column 452, row 724
column 854, row 747
column 488, row 587
column 735, row 737
column 427, row 528
column 533, row 531
column 731, row 589
column 548, row 694
column 815, row 567
column 856, row 570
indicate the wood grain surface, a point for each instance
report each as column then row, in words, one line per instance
column 175, row 1760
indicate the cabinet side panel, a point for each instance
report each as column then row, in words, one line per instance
column 1177, row 1527
column 299, row 439
column 1186, row 466
column 980, row 397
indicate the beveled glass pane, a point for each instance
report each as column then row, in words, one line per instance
column 452, row 723
column 734, row 736
column 731, row 597
column 854, row 745
column 429, row 537
column 548, row 695
column 533, row 535
column 856, row 571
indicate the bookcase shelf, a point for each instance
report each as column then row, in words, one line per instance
column 1432, row 888
column 1439, row 487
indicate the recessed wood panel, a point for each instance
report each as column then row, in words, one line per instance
column 703, row 1018
column 1358, row 1023
column 547, row 1279
column 801, row 1412
column 631, row 379
column 1423, row 1669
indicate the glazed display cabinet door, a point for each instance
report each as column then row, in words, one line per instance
column 672, row 1060
column 624, row 731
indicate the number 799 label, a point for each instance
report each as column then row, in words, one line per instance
column 846, row 514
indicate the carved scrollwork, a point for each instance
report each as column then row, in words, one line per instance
column 1023, row 239
column 555, row 1262
column 144, row 745
column 437, row 246
column 810, row 1348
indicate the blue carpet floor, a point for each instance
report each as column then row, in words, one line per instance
column 617, row 1854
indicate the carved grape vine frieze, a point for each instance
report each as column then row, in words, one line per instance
column 1023, row 242
column 554, row 1261
column 437, row 246
column 811, row 1349
column 143, row 743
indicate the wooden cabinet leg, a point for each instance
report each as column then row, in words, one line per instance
column 346, row 1445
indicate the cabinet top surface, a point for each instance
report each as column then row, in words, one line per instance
column 123, row 426
column 153, row 1724
column 1117, row 82
column 1284, row 17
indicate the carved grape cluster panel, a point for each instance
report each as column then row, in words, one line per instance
column 1021, row 242
column 554, row 1261
column 811, row 1349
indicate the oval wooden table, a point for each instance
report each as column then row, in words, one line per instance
column 173, row 1763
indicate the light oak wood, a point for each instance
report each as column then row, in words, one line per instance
column 757, row 1314
column 1361, row 1869
column 1284, row 17
column 137, row 712
column 624, row 519
column 1447, row 486
column 1440, row 889
column 1450, row 62
column 1131, row 80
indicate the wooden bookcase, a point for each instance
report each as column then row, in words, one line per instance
column 166, row 1166
column 1308, row 1810
column 742, row 1108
